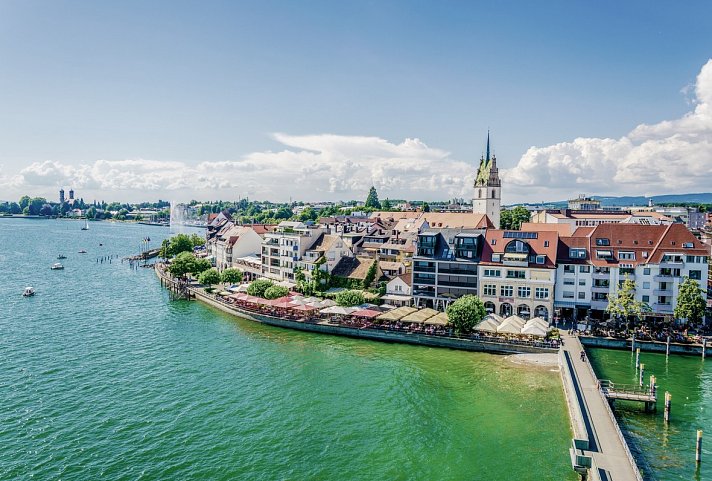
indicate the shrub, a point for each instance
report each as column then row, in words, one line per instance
column 231, row 275
column 209, row 277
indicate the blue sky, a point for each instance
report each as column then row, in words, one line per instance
column 317, row 100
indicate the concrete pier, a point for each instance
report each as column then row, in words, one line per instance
column 599, row 451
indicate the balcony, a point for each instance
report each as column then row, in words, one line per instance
column 596, row 288
column 663, row 278
column 465, row 285
column 662, row 292
column 665, row 307
column 601, row 275
column 599, row 305
column 459, row 272
column 419, row 280
column 417, row 268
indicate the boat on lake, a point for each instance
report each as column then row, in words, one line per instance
column 82, row 251
column 61, row 256
column 57, row 266
column 29, row 291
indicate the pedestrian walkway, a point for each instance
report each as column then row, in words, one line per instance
column 610, row 456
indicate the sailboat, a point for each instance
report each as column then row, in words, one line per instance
column 86, row 224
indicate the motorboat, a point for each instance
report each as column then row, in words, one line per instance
column 57, row 266
column 29, row 291
column 82, row 251
column 61, row 256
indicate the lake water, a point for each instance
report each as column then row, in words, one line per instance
column 103, row 377
column 667, row 451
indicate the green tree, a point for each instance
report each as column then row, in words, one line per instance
column 201, row 265
column 14, row 208
column 46, row 210
column 197, row 240
column 258, row 287
column 386, row 205
column 179, row 243
column 308, row 214
column 231, row 275
column 512, row 219
column 36, row 204
column 465, row 313
column 24, row 202
column 372, row 199
column 426, row 207
column 91, row 212
column 275, row 292
column 370, row 274
column 623, row 304
column 183, row 264
column 690, row 302
column 209, row 277
column 349, row 298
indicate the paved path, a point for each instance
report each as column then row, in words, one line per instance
column 608, row 451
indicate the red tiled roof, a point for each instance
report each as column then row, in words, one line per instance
column 545, row 244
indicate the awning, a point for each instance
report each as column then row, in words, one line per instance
column 438, row 320
column 395, row 297
column 516, row 257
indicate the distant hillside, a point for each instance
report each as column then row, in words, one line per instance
column 696, row 198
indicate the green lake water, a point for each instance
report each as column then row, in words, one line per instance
column 103, row 377
column 667, row 452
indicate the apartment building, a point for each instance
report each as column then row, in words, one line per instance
column 517, row 273
column 284, row 248
column 656, row 257
column 445, row 265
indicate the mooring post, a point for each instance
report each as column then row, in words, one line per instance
column 632, row 344
column 704, row 347
column 653, row 387
column 642, row 372
column 637, row 357
column 698, row 447
column 668, row 402
column 667, row 347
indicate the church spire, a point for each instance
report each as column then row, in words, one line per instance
column 488, row 146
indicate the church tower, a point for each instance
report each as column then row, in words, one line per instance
column 488, row 188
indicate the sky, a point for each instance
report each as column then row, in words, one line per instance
column 319, row 100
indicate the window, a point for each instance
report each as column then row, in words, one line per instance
column 584, row 268
column 540, row 259
column 696, row 275
column 646, row 285
column 515, row 274
column 646, row 298
column 626, row 256
column 569, row 269
column 604, row 254
column 577, row 253
column 496, row 257
column 541, row 293
column 506, row 291
column 546, row 243
column 582, row 282
column 602, row 241
column 517, row 247
column 646, row 271
column 582, row 295
column 569, row 282
column 568, row 295
column 690, row 258
column 492, row 273
column 524, row 291
column 489, row 290
column 688, row 245
column 494, row 242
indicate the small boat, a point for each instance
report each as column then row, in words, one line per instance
column 82, row 251
column 57, row 266
column 86, row 224
column 61, row 256
column 29, row 291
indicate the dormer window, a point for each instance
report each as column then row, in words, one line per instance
column 602, row 241
column 688, row 245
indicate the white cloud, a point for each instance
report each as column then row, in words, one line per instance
column 311, row 167
column 670, row 156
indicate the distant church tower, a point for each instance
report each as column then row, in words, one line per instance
column 61, row 195
column 488, row 188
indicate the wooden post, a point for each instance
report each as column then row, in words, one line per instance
column 668, row 402
column 653, row 387
column 667, row 347
column 704, row 347
column 637, row 358
column 698, row 447
column 642, row 372
column 632, row 345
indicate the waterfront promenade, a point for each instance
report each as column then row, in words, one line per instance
column 609, row 453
